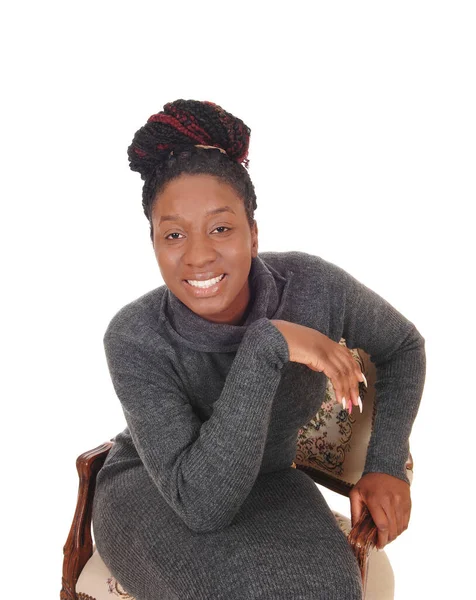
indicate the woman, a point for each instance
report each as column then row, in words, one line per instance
column 218, row 369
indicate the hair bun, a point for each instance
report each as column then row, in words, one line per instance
column 185, row 123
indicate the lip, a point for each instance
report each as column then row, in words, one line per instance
column 198, row 292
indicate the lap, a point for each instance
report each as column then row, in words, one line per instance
column 284, row 542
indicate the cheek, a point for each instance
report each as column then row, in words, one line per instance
column 241, row 251
column 165, row 255
column 166, row 264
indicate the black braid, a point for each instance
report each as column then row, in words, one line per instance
column 180, row 126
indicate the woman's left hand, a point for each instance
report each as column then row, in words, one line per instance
column 388, row 501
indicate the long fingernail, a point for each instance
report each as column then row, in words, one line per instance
column 343, row 402
column 360, row 403
column 365, row 380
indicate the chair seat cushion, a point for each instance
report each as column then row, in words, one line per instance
column 96, row 582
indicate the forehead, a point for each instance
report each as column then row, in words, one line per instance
column 194, row 196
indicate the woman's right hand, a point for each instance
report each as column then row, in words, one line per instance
column 318, row 352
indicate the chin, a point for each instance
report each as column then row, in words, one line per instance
column 206, row 307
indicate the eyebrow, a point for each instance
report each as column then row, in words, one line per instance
column 214, row 211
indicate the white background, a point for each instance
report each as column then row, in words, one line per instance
column 362, row 151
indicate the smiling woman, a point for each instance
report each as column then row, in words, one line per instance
column 218, row 369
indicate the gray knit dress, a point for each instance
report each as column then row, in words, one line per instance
column 197, row 500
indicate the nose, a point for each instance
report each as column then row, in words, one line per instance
column 199, row 251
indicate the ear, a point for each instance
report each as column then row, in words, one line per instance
column 254, row 239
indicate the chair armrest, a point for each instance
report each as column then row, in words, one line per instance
column 363, row 538
column 332, row 483
column 79, row 546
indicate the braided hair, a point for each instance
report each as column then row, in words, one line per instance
column 164, row 148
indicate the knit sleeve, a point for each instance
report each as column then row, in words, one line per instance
column 205, row 470
column 397, row 349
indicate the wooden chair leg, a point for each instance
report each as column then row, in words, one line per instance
column 78, row 548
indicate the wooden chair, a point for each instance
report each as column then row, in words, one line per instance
column 331, row 449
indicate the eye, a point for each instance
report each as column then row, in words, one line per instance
column 173, row 233
column 222, row 227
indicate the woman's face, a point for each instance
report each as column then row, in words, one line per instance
column 201, row 232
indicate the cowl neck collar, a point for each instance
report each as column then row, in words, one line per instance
column 268, row 290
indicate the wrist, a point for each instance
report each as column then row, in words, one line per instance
column 285, row 329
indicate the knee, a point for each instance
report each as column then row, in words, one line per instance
column 345, row 577
column 349, row 586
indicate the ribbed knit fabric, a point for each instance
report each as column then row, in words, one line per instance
column 197, row 499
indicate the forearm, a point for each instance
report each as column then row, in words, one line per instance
column 398, row 351
column 398, row 391
column 220, row 468
column 203, row 470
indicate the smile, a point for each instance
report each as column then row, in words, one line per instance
column 205, row 284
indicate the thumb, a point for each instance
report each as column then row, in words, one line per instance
column 356, row 506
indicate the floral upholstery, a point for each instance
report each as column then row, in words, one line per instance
column 335, row 442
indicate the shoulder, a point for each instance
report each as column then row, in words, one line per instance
column 139, row 320
column 303, row 264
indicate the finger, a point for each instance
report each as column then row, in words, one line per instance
column 344, row 380
column 399, row 509
column 356, row 378
column 352, row 394
column 339, row 393
column 389, row 508
column 356, row 506
column 399, row 519
column 381, row 522
column 402, row 510
column 351, row 375
column 341, row 385
column 387, row 503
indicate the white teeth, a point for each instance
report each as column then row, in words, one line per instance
column 206, row 283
